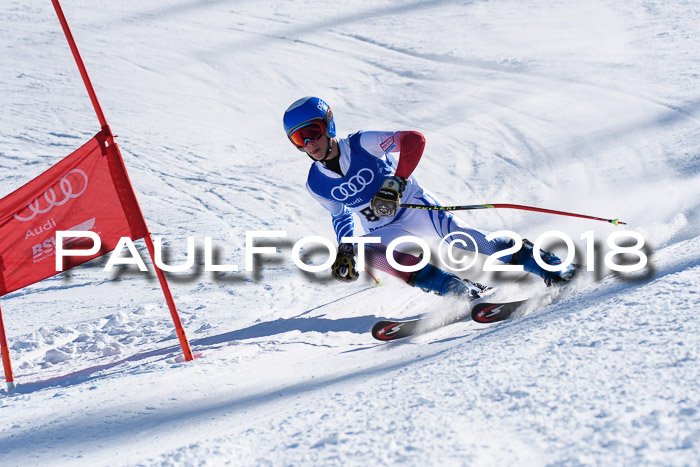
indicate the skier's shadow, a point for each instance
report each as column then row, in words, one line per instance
column 358, row 325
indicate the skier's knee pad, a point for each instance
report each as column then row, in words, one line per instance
column 500, row 244
column 526, row 258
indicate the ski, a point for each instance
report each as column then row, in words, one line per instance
column 491, row 312
column 484, row 312
column 391, row 330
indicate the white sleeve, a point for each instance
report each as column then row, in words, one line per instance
column 343, row 223
column 378, row 143
column 336, row 208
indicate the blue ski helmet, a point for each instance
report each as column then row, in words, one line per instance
column 306, row 110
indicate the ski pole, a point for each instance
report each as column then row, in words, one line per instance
column 377, row 282
column 509, row 206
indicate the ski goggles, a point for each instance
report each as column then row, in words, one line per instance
column 307, row 133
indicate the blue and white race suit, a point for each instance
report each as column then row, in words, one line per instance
column 366, row 161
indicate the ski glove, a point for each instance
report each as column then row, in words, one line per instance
column 386, row 202
column 344, row 268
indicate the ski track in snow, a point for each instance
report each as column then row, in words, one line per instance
column 584, row 107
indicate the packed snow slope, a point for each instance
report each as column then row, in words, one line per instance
column 590, row 107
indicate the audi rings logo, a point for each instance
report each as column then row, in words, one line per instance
column 353, row 186
column 71, row 187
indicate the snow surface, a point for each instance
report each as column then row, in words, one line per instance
column 590, row 107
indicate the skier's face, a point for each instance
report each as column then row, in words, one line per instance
column 317, row 148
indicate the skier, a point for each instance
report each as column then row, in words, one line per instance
column 359, row 175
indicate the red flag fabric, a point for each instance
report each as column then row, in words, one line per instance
column 88, row 190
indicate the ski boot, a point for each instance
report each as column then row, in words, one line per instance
column 525, row 258
column 440, row 282
column 477, row 290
